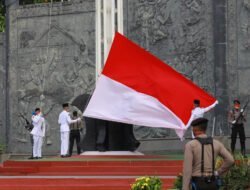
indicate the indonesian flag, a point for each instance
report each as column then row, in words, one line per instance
column 137, row 88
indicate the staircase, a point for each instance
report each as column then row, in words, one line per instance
column 86, row 172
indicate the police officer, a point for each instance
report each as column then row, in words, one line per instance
column 199, row 159
column 75, row 129
column 64, row 120
column 237, row 118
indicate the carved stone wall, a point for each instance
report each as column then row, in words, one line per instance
column 238, row 61
column 52, row 58
column 2, row 89
column 52, row 61
column 179, row 33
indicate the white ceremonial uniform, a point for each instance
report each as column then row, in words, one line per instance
column 38, row 133
column 199, row 112
column 64, row 120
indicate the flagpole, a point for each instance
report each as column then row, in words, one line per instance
column 213, row 127
column 98, row 35
column 120, row 16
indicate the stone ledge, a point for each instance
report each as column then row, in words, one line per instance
column 3, row 157
column 175, row 145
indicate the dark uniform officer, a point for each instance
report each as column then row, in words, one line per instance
column 75, row 129
column 198, row 167
column 237, row 118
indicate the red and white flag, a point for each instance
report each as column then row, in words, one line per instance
column 137, row 88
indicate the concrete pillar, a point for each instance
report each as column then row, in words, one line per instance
column 220, row 69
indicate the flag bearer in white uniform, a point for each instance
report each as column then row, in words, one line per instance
column 64, row 121
column 199, row 112
column 38, row 132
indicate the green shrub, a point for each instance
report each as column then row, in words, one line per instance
column 2, row 148
column 178, row 182
column 147, row 183
column 238, row 177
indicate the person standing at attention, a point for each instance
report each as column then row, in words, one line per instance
column 237, row 118
column 38, row 132
column 64, row 121
column 75, row 129
column 199, row 159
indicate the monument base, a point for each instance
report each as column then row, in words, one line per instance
column 123, row 153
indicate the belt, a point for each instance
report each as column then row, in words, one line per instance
column 198, row 178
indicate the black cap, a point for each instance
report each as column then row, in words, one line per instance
column 196, row 101
column 65, row 105
column 37, row 109
column 236, row 101
column 199, row 122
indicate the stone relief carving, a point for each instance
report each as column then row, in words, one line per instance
column 25, row 38
column 179, row 27
column 245, row 29
column 49, row 78
column 78, row 76
column 243, row 14
column 245, row 26
column 152, row 19
column 246, row 4
column 23, row 101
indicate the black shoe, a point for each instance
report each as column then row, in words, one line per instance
column 65, row 156
column 39, row 157
column 31, row 158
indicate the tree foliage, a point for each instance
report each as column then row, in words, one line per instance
column 2, row 17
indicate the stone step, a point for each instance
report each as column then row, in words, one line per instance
column 84, row 168
column 72, row 184
column 12, row 163
column 83, row 171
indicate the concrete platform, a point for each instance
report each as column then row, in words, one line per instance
column 97, row 153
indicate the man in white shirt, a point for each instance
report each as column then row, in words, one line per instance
column 199, row 112
column 64, row 121
column 38, row 132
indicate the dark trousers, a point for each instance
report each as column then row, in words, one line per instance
column 74, row 135
column 206, row 183
column 238, row 129
column 32, row 143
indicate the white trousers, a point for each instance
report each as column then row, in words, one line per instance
column 37, row 146
column 64, row 142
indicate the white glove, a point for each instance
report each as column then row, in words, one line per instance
column 242, row 110
column 234, row 121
